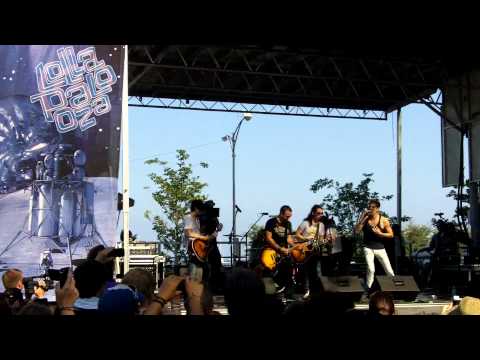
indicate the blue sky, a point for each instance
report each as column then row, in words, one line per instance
column 279, row 157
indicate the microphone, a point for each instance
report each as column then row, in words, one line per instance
column 263, row 213
column 238, row 209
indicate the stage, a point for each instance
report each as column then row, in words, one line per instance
column 432, row 307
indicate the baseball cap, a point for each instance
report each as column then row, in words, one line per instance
column 120, row 300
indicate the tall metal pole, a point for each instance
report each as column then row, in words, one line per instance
column 474, row 212
column 474, row 203
column 399, row 188
column 234, row 212
column 125, row 168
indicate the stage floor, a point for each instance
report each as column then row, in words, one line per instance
column 401, row 307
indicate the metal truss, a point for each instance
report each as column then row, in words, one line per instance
column 435, row 103
column 282, row 76
column 280, row 81
column 256, row 108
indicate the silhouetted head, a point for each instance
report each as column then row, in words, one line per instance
column 381, row 303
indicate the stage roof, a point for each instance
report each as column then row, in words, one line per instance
column 290, row 76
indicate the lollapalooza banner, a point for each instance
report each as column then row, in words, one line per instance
column 60, row 115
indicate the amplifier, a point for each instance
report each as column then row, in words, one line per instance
column 151, row 263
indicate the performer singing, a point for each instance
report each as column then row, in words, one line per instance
column 278, row 234
column 312, row 228
column 376, row 228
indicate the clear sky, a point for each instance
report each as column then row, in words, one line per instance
column 279, row 157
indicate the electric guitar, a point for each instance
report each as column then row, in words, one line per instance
column 200, row 248
column 270, row 258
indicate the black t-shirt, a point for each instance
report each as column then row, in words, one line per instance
column 279, row 231
column 370, row 239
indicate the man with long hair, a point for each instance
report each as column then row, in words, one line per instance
column 310, row 229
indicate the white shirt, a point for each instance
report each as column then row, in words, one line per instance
column 309, row 231
column 87, row 303
column 192, row 223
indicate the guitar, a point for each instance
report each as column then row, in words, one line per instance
column 269, row 258
column 302, row 251
column 200, row 248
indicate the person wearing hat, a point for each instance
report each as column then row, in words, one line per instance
column 120, row 300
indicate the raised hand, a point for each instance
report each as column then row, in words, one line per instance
column 168, row 289
column 68, row 294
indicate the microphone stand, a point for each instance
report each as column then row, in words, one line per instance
column 246, row 234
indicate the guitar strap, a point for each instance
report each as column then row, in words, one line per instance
column 286, row 233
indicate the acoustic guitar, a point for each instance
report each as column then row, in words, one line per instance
column 302, row 251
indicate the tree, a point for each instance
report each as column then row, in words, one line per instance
column 175, row 189
column 416, row 237
column 461, row 194
column 256, row 240
column 347, row 201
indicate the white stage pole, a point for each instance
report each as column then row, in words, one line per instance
column 125, row 165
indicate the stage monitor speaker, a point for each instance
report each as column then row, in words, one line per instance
column 348, row 285
column 400, row 287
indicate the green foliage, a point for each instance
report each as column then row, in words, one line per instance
column 256, row 241
column 416, row 237
column 463, row 199
column 347, row 201
column 174, row 189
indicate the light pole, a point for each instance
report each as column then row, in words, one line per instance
column 232, row 139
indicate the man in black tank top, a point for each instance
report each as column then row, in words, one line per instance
column 376, row 229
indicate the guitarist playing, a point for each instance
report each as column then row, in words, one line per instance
column 312, row 228
column 191, row 228
column 278, row 235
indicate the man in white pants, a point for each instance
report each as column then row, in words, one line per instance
column 376, row 228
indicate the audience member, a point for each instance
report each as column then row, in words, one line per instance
column 143, row 281
column 381, row 303
column 67, row 296
column 170, row 288
column 36, row 309
column 12, row 280
column 244, row 293
column 90, row 279
column 120, row 300
column 100, row 253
